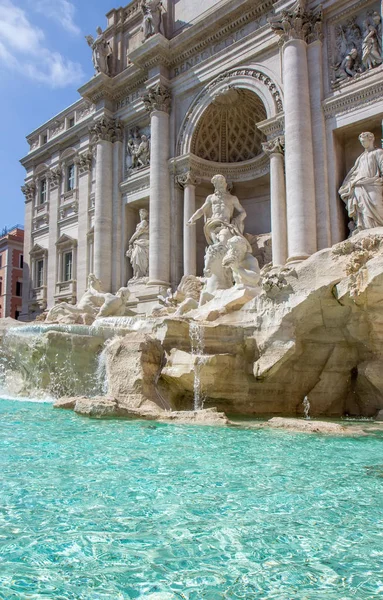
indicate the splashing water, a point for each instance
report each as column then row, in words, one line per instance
column 197, row 340
column 306, row 408
column 101, row 371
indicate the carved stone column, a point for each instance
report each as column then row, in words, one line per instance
column 118, row 250
column 295, row 28
column 104, row 132
column 275, row 149
column 189, row 182
column 84, row 166
column 157, row 102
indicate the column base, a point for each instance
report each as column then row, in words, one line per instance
column 159, row 283
column 297, row 259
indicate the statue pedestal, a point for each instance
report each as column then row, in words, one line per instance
column 144, row 297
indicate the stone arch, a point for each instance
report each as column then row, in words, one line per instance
column 252, row 78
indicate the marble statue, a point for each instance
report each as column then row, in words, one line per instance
column 138, row 151
column 362, row 190
column 348, row 67
column 138, row 251
column 152, row 17
column 371, row 49
column 218, row 212
column 93, row 304
column 243, row 264
column 228, row 259
column 132, row 149
column 101, row 52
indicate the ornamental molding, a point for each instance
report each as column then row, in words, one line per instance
column 29, row 190
column 106, row 129
column 273, row 127
column 157, row 99
column 238, row 78
column 275, row 146
column 206, row 169
column 188, row 178
column 354, row 99
column 250, row 17
column 297, row 23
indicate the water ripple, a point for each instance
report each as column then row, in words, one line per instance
column 115, row 510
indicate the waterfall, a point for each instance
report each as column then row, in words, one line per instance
column 306, row 408
column 101, row 372
column 197, row 340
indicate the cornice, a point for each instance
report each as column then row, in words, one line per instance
column 352, row 99
column 206, row 169
column 206, row 32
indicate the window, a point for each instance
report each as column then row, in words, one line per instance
column 19, row 288
column 45, row 138
column 71, row 122
column 70, row 178
column 43, row 191
column 68, row 262
column 17, row 314
column 1, row 287
column 1, row 260
column 40, row 273
column 21, row 261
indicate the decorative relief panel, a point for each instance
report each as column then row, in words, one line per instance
column 355, row 43
column 227, row 131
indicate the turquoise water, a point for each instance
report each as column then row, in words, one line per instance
column 117, row 510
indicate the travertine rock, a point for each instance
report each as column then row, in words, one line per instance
column 133, row 368
column 306, row 426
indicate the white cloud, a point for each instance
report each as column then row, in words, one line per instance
column 61, row 11
column 23, row 49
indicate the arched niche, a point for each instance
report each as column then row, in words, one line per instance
column 253, row 79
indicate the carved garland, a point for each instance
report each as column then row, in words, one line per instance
column 247, row 72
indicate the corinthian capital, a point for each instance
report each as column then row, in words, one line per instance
column 158, row 98
column 29, row 190
column 54, row 177
column 84, row 162
column 275, row 146
column 106, row 129
column 298, row 24
column 188, row 178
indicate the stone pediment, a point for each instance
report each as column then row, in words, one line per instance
column 65, row 239
column 38, row 250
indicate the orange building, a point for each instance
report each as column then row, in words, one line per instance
column 11, row 271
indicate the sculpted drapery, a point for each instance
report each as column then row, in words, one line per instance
column 362, row 190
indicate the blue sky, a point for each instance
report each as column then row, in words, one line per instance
column 44, row 58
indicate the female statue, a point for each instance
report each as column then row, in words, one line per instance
column 362, row 190
column 138, row 251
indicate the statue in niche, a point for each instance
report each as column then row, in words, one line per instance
column 228, row 259
column 152, row 11
column 218, row 212
column 138, row 151
column 101, row 52
column 362, row 190
column 138, row 251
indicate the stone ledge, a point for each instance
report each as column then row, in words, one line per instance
column 107, row 408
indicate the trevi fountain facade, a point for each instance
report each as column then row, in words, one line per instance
column 204, row 227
